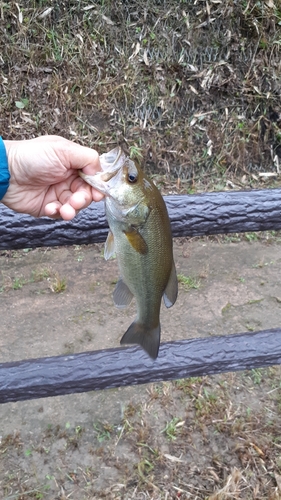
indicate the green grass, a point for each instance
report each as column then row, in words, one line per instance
column 18, row 283
column 172, row 428
column 55, row 282
column 189, row 282
column 58, row 284
column 103, row 431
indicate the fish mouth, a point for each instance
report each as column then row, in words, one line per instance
column 112, row 160
column 111, row 163
column 106, row 176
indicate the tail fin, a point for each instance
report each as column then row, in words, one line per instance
column 149, row 340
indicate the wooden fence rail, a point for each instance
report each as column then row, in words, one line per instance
column 210, row 213
column 108, row 368
column 190, row 215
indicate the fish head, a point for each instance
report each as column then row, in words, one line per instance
column 126, row 186
column 123, row 183
column 111, row 163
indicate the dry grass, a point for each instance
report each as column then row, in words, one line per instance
column 223, row 443
column 191, row 88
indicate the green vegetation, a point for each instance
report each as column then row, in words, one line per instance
column 18, row 283
column 189, row 282
column 54, row 282
column 58, row 284
column 103, row 431
column 172, row 428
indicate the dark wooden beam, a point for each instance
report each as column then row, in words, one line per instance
column 106, row 369
column 190, row 215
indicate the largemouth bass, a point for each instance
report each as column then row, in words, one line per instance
column 140, row 236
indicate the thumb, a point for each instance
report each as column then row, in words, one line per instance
column 81, row 157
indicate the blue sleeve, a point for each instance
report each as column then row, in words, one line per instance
column 4, row 170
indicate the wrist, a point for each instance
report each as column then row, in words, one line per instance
column 4, row 169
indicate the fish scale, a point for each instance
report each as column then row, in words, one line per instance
column 143, row 274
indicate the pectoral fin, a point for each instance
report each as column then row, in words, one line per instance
column 109, row 246
column 122, row 296
column 136, row 240
column 171, row 290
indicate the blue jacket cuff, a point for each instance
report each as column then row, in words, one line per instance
column 4, row 170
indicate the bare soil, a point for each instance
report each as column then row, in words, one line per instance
column 212, row 437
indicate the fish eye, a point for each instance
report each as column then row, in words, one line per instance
column 132, row 177
column 131, row 172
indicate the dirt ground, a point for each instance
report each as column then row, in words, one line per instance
column 211, row 437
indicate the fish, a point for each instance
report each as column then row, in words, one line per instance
column 140, row 236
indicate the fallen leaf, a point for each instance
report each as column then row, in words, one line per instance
column 145, row 58
column 172, row 458
column 270, row 4
column 45, row 13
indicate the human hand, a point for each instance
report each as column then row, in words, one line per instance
column 44, row 177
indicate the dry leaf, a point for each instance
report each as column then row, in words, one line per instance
column 269, row 4
column 136, row 51
column 267, row 174
column 45, row 13
column 107, row 20
column 172, row 458
column 145, row 58
column 258, row 450
column 180, row 424
column 193, row 89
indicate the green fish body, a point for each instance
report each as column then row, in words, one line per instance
column 140, row 236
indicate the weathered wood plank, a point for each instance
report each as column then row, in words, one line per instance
column 105, row 369
column 190, row 215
